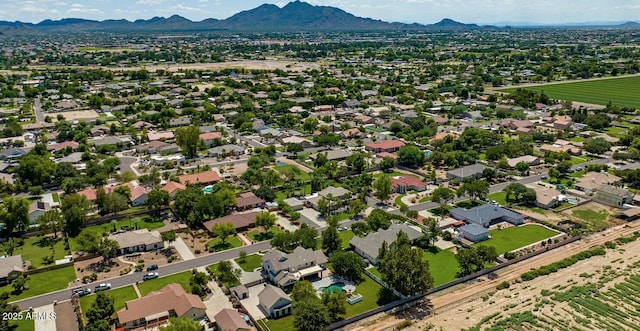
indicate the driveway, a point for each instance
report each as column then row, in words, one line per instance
column 45, row 322
column 251, row 304
column 217, row 301
column 183, row 249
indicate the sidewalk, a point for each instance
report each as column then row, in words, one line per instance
column 183, row 249
column 246, row 241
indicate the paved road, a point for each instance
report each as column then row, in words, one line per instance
column 169, row 269
column 37, row 108
column 126, row 163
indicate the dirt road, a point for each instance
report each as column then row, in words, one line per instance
column 458, row 295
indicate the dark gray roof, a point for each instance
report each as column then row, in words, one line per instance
column 474, row 229
column 484, row 214
column 468, row 171
column 226, row 148
column 373, row 241
column 270, row 295
column 300, row 256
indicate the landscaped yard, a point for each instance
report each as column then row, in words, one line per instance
column 213, row 270
column 259, row 234
column 369, row 290
column 514, row 237
column 44, row 282
column 182, row 278
column 443, row 265
column 280, row 324
column 398, row 201
column 251, row 262
column 140, row 222
column 35, row 248
column 293, row 171
column 216, row 245
column 438, row 212
column 119, row 295
column 499, row 197
column 23, row 325
column 346, row 236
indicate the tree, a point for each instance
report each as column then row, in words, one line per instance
column 411, row 156
column 102, row 308
column 378, row 219
column 157, row 198
column 74, row 210
column 434, row 229
column 182, row 324
column 169, row 236
column 18, row 284
column 5, row 309
column 198, row 282
column 382, row 187
column 9, row 246
column 108, row 248
column 331, row 241
column 323, row 207
column 489, row 174
column 403, row 268
column 360, row 228
column 310, row 315
column 475, row 188
column 475, row 258
column 115, row 202
column 597, row 145
column 188, row 138
column 15, row 213
column 227, row 274
column 50, row 221
column 36, row 169
column 356, row 207
column 303, row 291
column 387, row 163
column 306, row 237
column 223, row 230
column 554, row 173
column 266, row 220
column 564, row 167
column 335, row 302
column 348, row 265
column 522, row 167
column 357, row 161
column 442, row 196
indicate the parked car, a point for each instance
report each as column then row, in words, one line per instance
column 151, row 275
column 152, row 267
column 81, row 291
column 342, row 228
column 103, row 287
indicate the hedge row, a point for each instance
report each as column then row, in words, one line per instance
column 554, row 267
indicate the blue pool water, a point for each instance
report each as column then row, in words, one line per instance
column 335, row 287
column 281, row 164
column 207, row 189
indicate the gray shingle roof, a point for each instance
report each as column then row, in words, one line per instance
column 373, row 241
column 484, row 214
column 474, row 229
column 270, row 295
column 468, row 171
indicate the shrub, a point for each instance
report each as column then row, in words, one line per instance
column 610, row 245
column 141, row 261
column 403, row 325
column 509, row 255
column 46, row 260
column 171, row 258
column 139, row 267
column 447, row 236
column 107, row 269
column 197, row 251
column 503, row 285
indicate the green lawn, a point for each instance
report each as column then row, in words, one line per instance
column 499, row 197
column 369, row 290
column 346, row 236
column 425, row 199
column 293, row 171
column 343, row 216
column 107, row 227
column 576, row 139
column 443, row 265
column 23, row 325
column 398, row 201
column 44, row 282
column 618, row 91
column 438, row 212
column 182, row 278
column 577, row 174
column 216, row 244
column 468, row 204
column 119, row 295
column 375, row 271
column 280, row 324
column 251, row 262
column 55, row 196
column 259, row 234
column 591, row 215
column 35, row 248
column 392, row 174
column 615, row 131
column 508, row 239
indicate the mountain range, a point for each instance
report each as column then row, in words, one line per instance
column 295, row 16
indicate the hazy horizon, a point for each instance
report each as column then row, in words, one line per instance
column 516, row 12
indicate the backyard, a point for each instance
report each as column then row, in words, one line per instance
column 119, row 295
column 292, row 171
column 44, row 282
column 443, row 265
column 182, row 278
column 514, row 237
column 36, row 248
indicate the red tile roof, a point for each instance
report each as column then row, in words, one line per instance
column 205, row 177
column 407, row 181
column 90, row 193
column 62, row 145
column 210, row 135
column 172, row 187
column 171, row 297
column 387, row 144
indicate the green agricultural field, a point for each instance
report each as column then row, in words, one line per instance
column 514, row 237
column 618, row 91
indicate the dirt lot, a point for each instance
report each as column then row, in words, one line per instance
column 463, row 306
column 194, row 243
column 118, row 264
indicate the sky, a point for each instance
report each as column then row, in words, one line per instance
column 407, row 11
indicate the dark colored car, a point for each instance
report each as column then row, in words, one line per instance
column 81, row 291
column 152, row 267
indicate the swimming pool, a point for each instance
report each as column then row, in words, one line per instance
column 207, row 189
column 335, row 287
column 281, row 164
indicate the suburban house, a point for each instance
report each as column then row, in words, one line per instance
column 285, row 269
column 487, row 214
column 10, row 268
column 294, row 203
column 225, row 150
column 37, row 209
column 139, row 196
column 60, row 146
column 172, row 188
column 592, row 181
column 306, row 143
column 333, row 155
column 163, row 135
column 529, row 159
column 470, row 171
column 13, row 153
column 547, row 198
column 157, row 146
column 404, row 184
column 137, row 240
column 205, row 177
column 248, row 200
column 241, row 222
column 209, row 138
column 389, row 146
column 339, row 195
column 231, row 320
column 474, row 232
column 369, row 246
column 613, row 196
column 274, row 302
column 157, row 307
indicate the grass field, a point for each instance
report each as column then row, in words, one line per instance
column 23, row 325
column 119, row 295
column 182, row 278
column 508, row 239
column 259, row 234
column 618, row 91
column 293, row 171
column 250, row 263
column 216, row 244
column 443, row 266
column 35, row 248
column 499, row 197
column 592, row 216
column 42, row 283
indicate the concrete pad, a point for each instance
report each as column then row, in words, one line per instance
column 252, row 303
column 183, row 249
column 310, row 217
column 47, row 322
column 285, row 223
